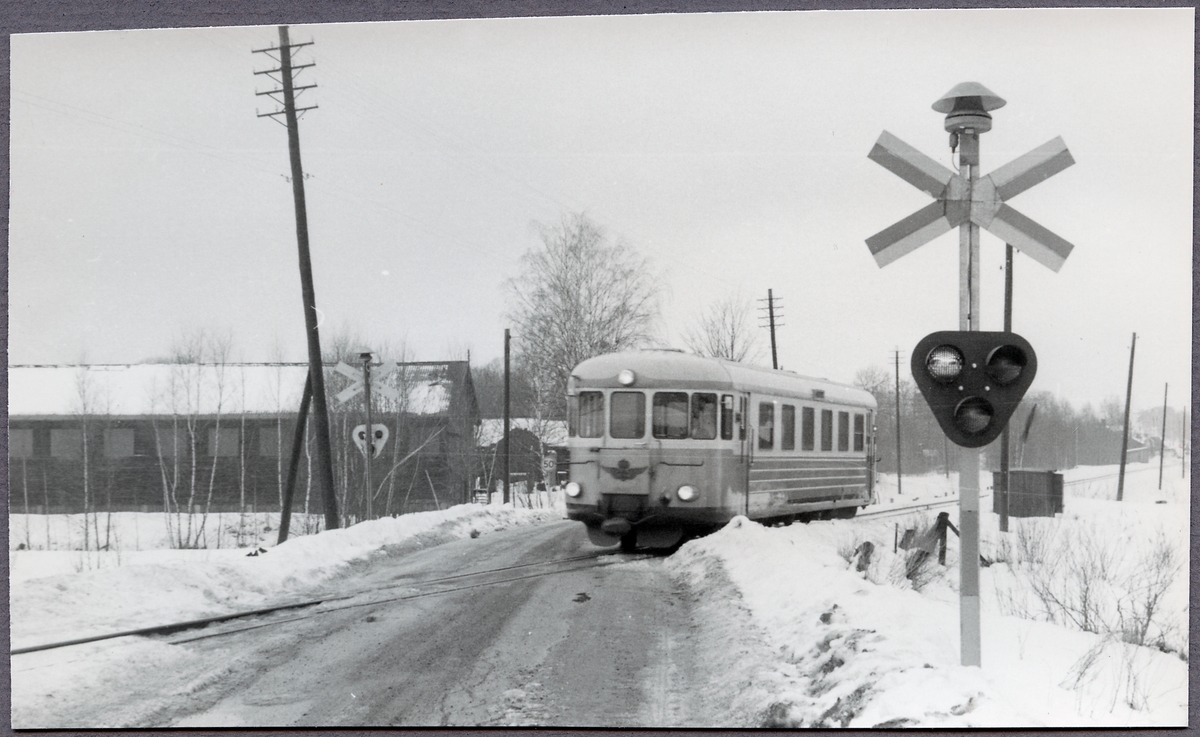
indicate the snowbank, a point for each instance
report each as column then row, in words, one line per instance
column 844, row 648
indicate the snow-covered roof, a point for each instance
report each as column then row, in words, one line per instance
column 552, row 432
column 202, row 389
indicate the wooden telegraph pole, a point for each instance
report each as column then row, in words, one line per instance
column 1002, row 492
column 772, row 323
column 507, row 412
column 1125, row 432
column 324, row 456
column 1162, row 442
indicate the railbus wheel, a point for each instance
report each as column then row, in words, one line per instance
column 629, row 541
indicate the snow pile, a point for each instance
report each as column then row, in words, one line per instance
column 839, row 642
column 157, row 587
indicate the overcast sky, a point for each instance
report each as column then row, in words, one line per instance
column 148, row 200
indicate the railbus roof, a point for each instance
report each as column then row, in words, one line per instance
column 657, row 368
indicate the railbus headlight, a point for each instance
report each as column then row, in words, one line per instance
column 687, row 493
column 573, row 489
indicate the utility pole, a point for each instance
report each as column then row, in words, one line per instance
column 1162, row 443
column 772, row 323
column 899, row 472
column 507, row 411
column 1002, row 492
column 369, row 453
column 286, row 71
column 1125, row 434
column 289, row 491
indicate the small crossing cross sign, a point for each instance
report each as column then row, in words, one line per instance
column 378, row 376
column 957, row 202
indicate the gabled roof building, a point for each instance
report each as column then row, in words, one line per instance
column 218, row 437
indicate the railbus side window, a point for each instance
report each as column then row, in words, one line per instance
column 590, row 415
column 859, row 432
column 788, row 439
column 742, row 419
column 670, row 415
column 826, row 429
column 704, row 416
column 807, row 428
column 843, row 431
column 727, row 417
column 627, row 415
column 766, row 425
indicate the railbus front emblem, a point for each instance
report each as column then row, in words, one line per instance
column 623, row 472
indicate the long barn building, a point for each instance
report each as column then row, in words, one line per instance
column 153, row 437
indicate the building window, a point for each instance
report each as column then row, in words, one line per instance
column 20, row 443
column 826, row 429
column 271, row 438
column 118, row 442
column 223, row 441
column 788, row 440
column 807, row 428
column 766, row 425
column 171, row 442
column 66, row 443
column 843, row 431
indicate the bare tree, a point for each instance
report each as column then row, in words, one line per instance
column 725, row 330
column 190, row 397
column 579, row 295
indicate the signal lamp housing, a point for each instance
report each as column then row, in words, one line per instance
column 973, row 381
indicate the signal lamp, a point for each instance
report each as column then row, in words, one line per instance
column 1005, row 364
column 945, row 363
column 573, row 489
column 627, row 377
column 973, row 415
column 973, row 381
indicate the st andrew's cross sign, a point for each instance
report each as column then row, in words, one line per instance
column 958, row 202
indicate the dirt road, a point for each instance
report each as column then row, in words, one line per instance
column 605, row 643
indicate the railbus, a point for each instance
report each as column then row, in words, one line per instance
column 665, row 444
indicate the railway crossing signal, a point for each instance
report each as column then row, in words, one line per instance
column 973, row 381
column 378, row 378
column 982, row 202
column 975, row 413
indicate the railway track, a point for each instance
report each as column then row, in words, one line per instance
column 330, row 604
column 911, row 508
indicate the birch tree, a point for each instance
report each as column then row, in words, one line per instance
column 724, row 330
column 579, row 294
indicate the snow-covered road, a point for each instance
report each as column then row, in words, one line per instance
column 748, row 627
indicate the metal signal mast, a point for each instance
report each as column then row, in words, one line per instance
column 284, row 76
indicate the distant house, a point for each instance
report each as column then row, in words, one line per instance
column 219, row 437
column 533, row 442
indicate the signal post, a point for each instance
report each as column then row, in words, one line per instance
column 972, row 380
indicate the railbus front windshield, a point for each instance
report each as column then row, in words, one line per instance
column 674, row 415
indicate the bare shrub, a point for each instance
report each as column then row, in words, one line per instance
column 1145, row 586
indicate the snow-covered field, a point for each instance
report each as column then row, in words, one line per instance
column 802, row 636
